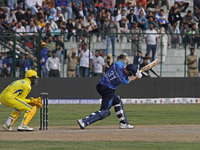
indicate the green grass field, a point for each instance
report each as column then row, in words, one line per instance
column 66, row 115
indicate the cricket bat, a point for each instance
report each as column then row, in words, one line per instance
column 149, row 66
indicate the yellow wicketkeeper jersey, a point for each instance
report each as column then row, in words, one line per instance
column 18, row 88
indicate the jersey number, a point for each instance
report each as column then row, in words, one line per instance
column 111, row 75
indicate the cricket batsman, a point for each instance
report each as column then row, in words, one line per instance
column 116, row 75
column 14, row 96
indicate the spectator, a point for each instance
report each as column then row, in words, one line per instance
column 59, row 41
column 122, row 28
column 49, row 6
column 88, row 6
column 19, row 15
column 12, row 4
column 184, row 32
column 11, row 18
column 162, row 45
column 143, row 3
column 119, row 16
column 40, row 14
column 20, row 29
column 100, row 18
column 162, row 3
column 90, row 26
column 138, row 8
column 79, row 25
column 25, row 64
column 150, row 38
column 53, row 26
column 50, row 45
column 7, row 65
column 5, row 24
column 150, row 14
column 146, row 73
column 82, row 43
column 111, row 28
column 188, row 18
column 131, row 19
column 194, row 35
column 71, row 29
column 162, row 20
column 136, row 38
column 174, row 15
column 138, row 59
column 40, row 24
column 123, row 58
column 117, row 11
column 32, row 5
column 98, row 63
column 43, row 59
column 182, row 4
column 105, row 28
column 72, row 63
column 57, row 15
column 150, row 21
column 191, row 62
column 85, row 61
column 47, row 31
column 108, row 62
column 174, row 36
column 28, row 16
column 141, row 19
column 59, row 51
column 128, row 8
column 152, row 5
column 2, row 14
column 63, row 6
column 61, row 24
column 77, row 7
column 53, row 65
column 196, row 4
column 31, row 29
column 108, row 5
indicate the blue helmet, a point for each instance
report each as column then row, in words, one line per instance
column 132, row 69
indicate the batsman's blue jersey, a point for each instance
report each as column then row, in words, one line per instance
column 115, row 76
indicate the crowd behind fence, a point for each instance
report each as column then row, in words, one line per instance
column 58, row 57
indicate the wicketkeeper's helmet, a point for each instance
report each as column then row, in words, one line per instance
column 31, row 73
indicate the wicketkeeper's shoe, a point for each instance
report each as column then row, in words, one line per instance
column 24, row 128
column 125, row 126
column 5, row 127
column 81, row 123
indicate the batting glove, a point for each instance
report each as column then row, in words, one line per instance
column 139, row 73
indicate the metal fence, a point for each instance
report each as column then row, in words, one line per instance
column 171, row 48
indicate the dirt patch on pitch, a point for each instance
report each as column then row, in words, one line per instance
column 153, row 133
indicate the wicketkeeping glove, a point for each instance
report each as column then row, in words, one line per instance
column 139, row 73
column 36, row 102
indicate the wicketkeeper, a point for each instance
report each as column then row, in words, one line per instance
column 116, row 75
column 14, row 96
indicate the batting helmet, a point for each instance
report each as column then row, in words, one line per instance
column 132, row 69
column 31, row 73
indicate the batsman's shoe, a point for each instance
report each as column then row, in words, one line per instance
column 81, row 123
column 24, row 128
column 125, row 126
column 5, row 127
